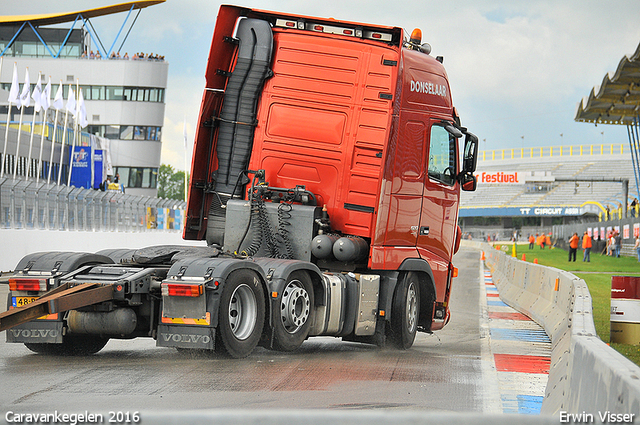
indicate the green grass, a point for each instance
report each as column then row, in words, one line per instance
column 597, row 274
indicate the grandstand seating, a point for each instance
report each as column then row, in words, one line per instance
column 556, row 193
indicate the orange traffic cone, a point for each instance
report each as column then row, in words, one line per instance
column 524, row 257
column 535, row 261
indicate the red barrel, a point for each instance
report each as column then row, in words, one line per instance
column 625, row 309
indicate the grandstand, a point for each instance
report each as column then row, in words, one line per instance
column 566, row 183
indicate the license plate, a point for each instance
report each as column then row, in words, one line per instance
column 20, row 301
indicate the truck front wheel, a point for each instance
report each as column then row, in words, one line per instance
column 292, row 318
column 405, row 312
column 241, row 314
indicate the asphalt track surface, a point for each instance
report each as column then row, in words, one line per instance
column 443, row 372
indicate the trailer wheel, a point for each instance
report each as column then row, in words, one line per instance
column 292, row 319
column 405, row 312
column 71, row 346
column 241, row 314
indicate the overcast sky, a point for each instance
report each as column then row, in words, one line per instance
column 517, row 69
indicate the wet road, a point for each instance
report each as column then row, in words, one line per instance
column 441, row 372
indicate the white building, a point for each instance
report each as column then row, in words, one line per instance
column 125, row 99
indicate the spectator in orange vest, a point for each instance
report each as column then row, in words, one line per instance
column 586, row 245
column 547, row 239
column 540, row 241
column 573, row 246
column 532, row 240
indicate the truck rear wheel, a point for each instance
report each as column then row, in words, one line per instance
column 292, row 319
column 71, row 346
column 405, row 312
column 241, row 314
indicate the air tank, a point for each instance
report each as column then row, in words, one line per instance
column 350, row 248
column 121, row 321
column 322, row 245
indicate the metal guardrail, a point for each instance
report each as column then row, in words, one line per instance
column 31, row 205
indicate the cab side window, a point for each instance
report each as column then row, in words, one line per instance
column 442, row 156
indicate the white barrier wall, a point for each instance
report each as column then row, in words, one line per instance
column 586, row 375
column 16, row 243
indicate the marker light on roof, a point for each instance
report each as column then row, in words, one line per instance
column 416, row 37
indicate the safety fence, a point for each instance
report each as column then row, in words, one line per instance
column 586, row 375
column 551, row 151
column 29, row 205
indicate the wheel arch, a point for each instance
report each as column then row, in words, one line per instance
column 59, row 261
column 428, row 294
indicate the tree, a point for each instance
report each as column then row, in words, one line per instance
column 170, row 183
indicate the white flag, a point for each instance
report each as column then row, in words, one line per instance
column 82, row 112
column 15, row 87
column 45, row 97
column 58, row 102
column 37, row 94
column 25, row 95
column 71, row 102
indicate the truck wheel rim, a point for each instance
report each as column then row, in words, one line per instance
column 295, row 306
column 412, row 307
column 243, row 312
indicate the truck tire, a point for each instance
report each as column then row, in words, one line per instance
column 405, row 312
column 241, row 314
column 292, row 320
column 71, row 346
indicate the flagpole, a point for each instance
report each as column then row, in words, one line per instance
column 45, row 107
column 36, row 108
column 6, row 138
column 13, row 94
column 53, row 145
column 75, row 130
column 44, row 118
column 25, row 101
column 64, row 139
column 15, row 167
column 184, row 132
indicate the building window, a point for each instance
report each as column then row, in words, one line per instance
column 139, row 177
column 126, row 132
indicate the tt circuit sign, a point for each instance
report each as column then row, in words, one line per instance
column 547, row 211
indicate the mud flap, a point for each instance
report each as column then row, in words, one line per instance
column 186, row 337
column 36, row 332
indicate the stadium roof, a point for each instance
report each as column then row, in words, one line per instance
column 59, row 18
column 617, row 100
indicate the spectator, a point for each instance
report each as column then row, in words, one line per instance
column 637, row 247
column 586, row 246
column 617, row 244
column 92, row 55
column 573, row 246
column 532, row 240
column 113, row 55
column 634, row 207
column 126, row 56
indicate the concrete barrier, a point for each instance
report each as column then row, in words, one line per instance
column 586, row 375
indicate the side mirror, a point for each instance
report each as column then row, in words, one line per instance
column 468, row 182
column 470, row 158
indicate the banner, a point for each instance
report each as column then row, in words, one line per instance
column 81, row 171
column 98, row 176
